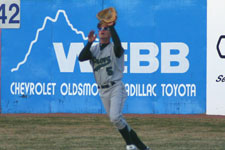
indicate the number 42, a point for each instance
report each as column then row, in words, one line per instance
column 12, row 18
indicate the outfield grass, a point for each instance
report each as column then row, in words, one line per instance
column 95, row 132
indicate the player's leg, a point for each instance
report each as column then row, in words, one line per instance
column 115, row 115
column 105, row 97
column 137, row 141
column 118, row 96
column 116, row 107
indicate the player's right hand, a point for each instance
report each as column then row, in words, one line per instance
column 92, row 36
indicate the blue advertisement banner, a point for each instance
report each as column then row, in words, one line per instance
column 165, row 57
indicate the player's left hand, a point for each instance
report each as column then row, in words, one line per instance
column 92, row 36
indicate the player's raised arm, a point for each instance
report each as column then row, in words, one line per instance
column 86, row 53
column 118, row 49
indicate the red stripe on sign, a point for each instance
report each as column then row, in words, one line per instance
column 0, row 71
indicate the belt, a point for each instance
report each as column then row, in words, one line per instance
column 106, row 85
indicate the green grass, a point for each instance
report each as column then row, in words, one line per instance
column 95, row 132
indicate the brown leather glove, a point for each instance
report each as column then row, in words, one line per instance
column 107, row 15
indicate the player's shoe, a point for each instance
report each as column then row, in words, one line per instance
column 131, row 147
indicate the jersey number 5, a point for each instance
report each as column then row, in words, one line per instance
column 109, row 71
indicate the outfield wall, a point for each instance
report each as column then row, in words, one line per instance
column 165, row 57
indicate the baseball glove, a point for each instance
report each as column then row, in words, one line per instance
column 107, row 15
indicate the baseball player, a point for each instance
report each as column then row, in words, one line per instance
column 107, row 61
